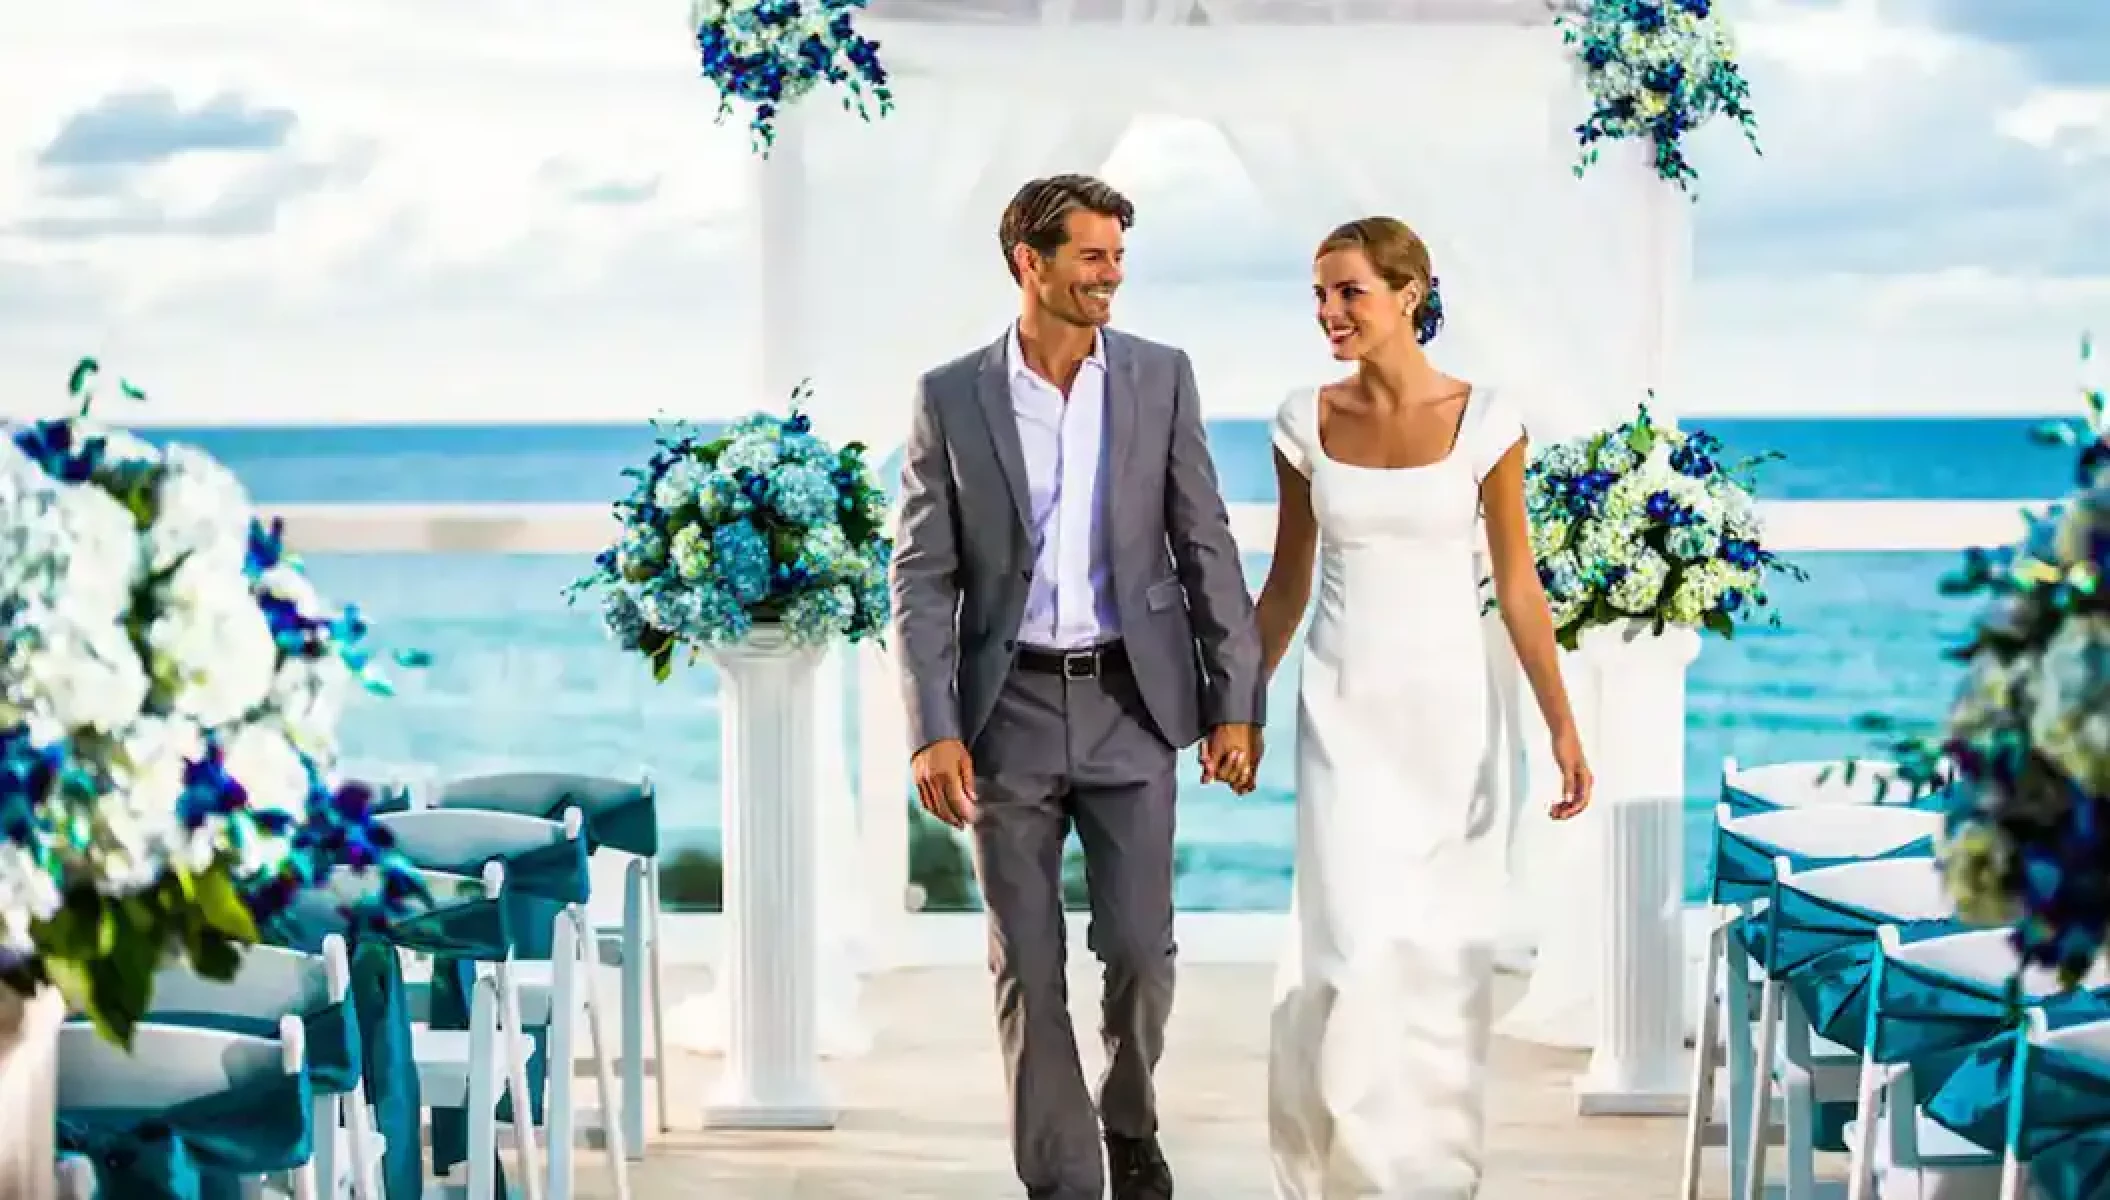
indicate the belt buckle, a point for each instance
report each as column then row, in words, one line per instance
column 1080, row 664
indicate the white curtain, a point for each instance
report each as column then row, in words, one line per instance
column 1455, row 115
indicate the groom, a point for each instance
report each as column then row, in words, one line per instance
column 1069, row 609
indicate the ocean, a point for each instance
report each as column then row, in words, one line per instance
column 520, row 680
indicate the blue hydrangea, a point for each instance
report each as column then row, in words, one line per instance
column 763, row 523
column 742, row 555
column 803, row 494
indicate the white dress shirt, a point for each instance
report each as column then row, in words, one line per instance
column 1070, row 599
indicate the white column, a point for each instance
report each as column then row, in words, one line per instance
column 883, row 820
column 782, row 241
column 1555, row 868
column 1637, row 1065
column 772, row 1073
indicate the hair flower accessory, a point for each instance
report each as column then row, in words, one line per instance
column 765, row 523
column 1656, row 70
column 767, row 54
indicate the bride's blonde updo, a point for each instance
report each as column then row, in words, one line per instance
column 1400, row 258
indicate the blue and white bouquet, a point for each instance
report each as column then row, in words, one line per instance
column 1647, row 524
column 2027, row 739
column 767, row 54
column 170, row 686
column 1656, row 70
column 765, row 524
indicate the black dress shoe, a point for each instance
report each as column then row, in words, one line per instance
column 1136, row 1168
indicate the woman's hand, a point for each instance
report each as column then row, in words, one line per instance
column 1576, row 780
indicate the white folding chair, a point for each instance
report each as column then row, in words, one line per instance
column 1915, row 1156
column 1731, row 982
column 1809, row 1070
column 273, row 983
column 627, row 939
column 566, row 985
column 170, row 1066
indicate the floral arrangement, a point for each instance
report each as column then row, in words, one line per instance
column 770, row 53
column 763, row 524
column 170, row 686
column 1656, row 69
column 1647, row 523
column 2027, row 738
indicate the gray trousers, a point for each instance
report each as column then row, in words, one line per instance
column 1057, row 751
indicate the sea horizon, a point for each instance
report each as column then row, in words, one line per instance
column 521, row 679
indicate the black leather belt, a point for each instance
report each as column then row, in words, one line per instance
column 1088, row 663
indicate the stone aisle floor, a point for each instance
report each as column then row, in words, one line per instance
column 924, row 1111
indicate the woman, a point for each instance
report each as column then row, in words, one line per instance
column 1380, row 1028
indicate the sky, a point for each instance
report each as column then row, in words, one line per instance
column 290, row 211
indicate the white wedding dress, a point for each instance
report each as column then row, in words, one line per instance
column 1380, row 1029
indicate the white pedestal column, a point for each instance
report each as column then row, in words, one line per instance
column 1637, row 1064
column 1552, row 866
column 772, row 1076
column 29, row 1054
column 882, row 802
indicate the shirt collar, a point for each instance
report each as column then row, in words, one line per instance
column 1015, row 353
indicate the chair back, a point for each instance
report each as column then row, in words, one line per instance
column 272, row 982
column 1832, row 831
column 168, row 1065
column 1815, row 783
column 457, row 838
column 1897, row 889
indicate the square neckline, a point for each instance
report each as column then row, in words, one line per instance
column 1458, row 437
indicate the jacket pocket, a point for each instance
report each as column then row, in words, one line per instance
column 1164, row 594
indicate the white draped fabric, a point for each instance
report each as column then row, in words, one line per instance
column 1455, row 115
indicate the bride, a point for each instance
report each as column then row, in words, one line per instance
column 1379, row 1036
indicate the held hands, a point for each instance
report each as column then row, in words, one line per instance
column 1576, row 780
column 1230, row 755
column 944, row 775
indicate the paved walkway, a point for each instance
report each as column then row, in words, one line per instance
column 925, row 1111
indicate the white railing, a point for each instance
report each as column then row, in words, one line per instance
column 583, row 529
column 897, row 937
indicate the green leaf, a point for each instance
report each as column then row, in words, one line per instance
column 221, row 906
column 84, row 373
column 215, row 957
column 663, row 662
column 1720, row 624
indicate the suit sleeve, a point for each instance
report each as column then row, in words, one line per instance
column 1210, row 570
column 925, row 581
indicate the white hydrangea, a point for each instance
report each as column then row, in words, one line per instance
column 210, row 645
column 201, row 514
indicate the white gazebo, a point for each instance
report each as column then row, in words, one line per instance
column 877, row 260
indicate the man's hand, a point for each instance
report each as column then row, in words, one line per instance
column 1231, row 755
column 944, row 777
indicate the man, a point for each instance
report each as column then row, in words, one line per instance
column 1069, row 610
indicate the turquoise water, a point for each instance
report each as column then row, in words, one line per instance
column 518, row 677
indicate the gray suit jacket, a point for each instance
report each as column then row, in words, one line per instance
column 964, row 551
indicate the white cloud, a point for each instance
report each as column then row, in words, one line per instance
column 499, row 208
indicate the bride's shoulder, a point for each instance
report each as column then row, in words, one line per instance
column 1296, row 427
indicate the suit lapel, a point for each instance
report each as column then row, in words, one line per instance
column 1121, row 393
column 993, row 390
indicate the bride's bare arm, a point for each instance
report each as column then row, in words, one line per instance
column 1287, row 591
column 1517, row 589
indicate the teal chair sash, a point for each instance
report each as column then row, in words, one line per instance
column 2062, row 1125
column 380, row 1009
column 199, row 1150
column 631, row 825
column 1969, row 1089
column 1821, row 952
column 540, row 883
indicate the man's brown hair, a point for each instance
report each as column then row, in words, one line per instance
column 1035, row 216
